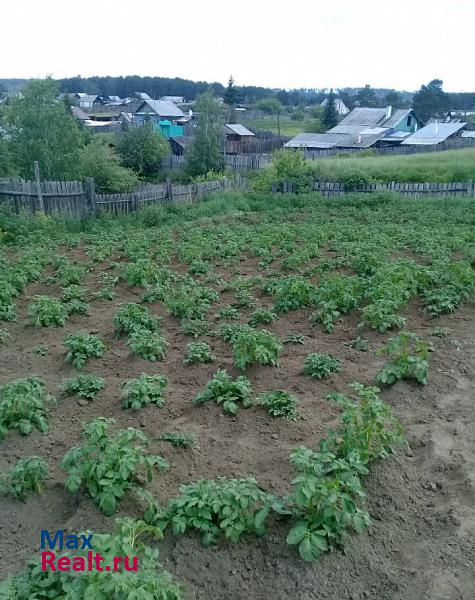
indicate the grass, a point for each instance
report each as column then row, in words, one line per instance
column 287, row 126
column 448, row 166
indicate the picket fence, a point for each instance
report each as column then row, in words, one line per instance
column 75, row 199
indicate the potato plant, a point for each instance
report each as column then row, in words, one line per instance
column 23, row 406
column 279, row 404
column 5, row 335
column 84, row 386
column 149, row 345
column 230, row 393
column 198, row 352
column 26, row 476
column 179, row 440
column 408, row 358
column 48, row 312
column 132, row 317
column 319, row 366
column 252, row 346
column 81, row 347
column 108, row 463
column 143, row 391
column 218, row 507
column 262, row 316
column 130, row 538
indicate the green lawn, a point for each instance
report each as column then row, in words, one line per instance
column 287, row 126
column 449, row 166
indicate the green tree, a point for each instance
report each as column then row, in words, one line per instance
column 39, row 127
column 330, row 114
column 367, row 97
column 142, row 149
column 231, row 95
column 431, row 101
column 394, row 99
column 206, row 154
column 269, row 105
column 99, row 161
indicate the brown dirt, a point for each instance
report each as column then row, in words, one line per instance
column 420, row 545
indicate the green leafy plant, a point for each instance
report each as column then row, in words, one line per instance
column 244, row 299
column 70, row 274
column 82, row 346
column 143, row 391
column 23, row 406
column 229, row 392
column 440, row 332
column 48, row 312
column 327, row 499
column 179, row 440
column 195, row 327
column 27, row 475
column 408, row 359
column 262, row 316
column 129, row 540
column 132, row 317
column 107, row 464
column 85, row 386
column 199, row 352
column 292, row 293
column 358, row 343
column 294, row 338
column 228, row 312
column 319, row 366
column 40, row 350
column 149, row 345
column 252, row 346
column 4, row 336
column 228, row 507
column 280, row 404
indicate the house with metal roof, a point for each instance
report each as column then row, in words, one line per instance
column 158, row 110
column 433, row 133
column 236, row 135
column 362, row 128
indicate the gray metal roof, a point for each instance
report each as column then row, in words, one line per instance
column 79, row 113
column 333, row 140
column 163, row 108
column 433, row 133
column 468, row 134
column 397, row 116
column 365, row 116
column 237, row 129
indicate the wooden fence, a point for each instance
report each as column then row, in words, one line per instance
column 77, row 200
column 414, row 190
column 233, row 162
column 74, row 199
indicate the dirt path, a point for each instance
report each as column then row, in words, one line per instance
column 421, row 544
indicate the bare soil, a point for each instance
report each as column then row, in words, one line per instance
column 421, row 543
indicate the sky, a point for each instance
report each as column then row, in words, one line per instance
column 304, row 43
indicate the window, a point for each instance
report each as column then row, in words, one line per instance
column 409, row 121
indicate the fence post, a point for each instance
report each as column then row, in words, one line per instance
column 90, row 188
column 38, row 187
column 470, row 188
column 169, row 191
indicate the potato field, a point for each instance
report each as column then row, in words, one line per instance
column 261, row 397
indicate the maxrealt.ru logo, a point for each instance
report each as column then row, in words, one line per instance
column 89, row 561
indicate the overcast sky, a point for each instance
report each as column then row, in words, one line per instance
column 299, row 43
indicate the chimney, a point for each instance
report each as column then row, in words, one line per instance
column 389, row 110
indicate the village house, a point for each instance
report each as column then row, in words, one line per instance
column 236, row 136
column 362, row 128
column 434, row 133
column 165, row 115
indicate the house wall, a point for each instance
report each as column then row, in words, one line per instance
column 403, row 126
